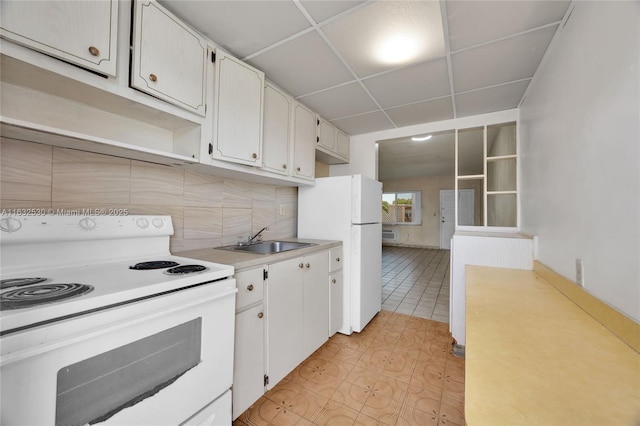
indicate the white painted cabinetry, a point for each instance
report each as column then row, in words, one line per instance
column 336, row 288
column 276, row 141
column 81, row 32
column 304, row 142
column 315, row 302
column 249, row 355
column 237, row 119
column 297, row 312
column 332, row 144
column 343, row 145
column 169, row 58
column 326, row 135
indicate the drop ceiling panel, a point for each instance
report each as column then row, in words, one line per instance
column 474, row 22
column 322, row 10
column 359, row 35
column 422, row 112
column 500, row 62
column 492, row 99
column 364, row 123
column 303, row 65
column 241, row 27
column 340, row 101
column 419, row 82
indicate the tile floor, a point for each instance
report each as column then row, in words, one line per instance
column 416, row 282
column 398, row 371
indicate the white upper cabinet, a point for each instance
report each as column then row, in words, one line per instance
column 342, row 144
column 169, row 58
column 326, row 135
column 276, row 130
column 333, row 144
column 304, row 142
column 81, row 32
column 237, row 119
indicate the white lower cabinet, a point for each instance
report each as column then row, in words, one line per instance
column 281, row 318
column 315, row 302
column 248, row 373
column 285, row 292
column 249, row 358
column 336, row 288
column 297, row 312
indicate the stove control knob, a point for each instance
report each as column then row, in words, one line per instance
column 142, row 223
column 87, row 224
column 10, row 224
column 157, row 222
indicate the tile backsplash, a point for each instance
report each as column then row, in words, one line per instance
column 207, row 211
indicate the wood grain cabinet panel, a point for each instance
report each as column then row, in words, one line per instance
column 169, row 58
column 81, row 32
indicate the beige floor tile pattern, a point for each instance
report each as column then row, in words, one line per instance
column 398, row 371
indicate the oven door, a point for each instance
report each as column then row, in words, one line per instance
column 158, row 361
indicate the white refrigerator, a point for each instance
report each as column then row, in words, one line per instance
column 348, row 208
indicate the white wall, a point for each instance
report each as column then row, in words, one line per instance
column 580, row 156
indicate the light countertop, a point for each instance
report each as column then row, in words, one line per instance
column 533, row 357
column 242, row 260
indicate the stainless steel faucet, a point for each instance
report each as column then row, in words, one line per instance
column 266, row 228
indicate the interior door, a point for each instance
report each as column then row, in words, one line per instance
column 448, row 215
column 447, row 218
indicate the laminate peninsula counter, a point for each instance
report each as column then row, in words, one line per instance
column 534, row 357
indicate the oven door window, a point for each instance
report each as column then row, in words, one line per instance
column 93, row 390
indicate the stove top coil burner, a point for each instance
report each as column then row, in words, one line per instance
column 19, row 282
column 185, row 269
column 156, row 264
column 41, row 294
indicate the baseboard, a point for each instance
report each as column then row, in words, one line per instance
column 392, row 244
column 622, row 326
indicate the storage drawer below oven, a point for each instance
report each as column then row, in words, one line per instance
column 218, row 413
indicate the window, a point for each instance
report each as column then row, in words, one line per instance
column 402, row 208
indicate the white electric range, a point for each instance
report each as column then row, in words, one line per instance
column 100, row 324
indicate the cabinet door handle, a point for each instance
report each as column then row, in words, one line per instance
column 153, row 77
column 284, row 166
column 300, row 265
column 260, row 315
column 337, row 259
column 94, row 51
column 308, row 265
column 297, row 169
column 254, row 155
column 250, row 287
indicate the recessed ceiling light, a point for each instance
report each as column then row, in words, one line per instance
column 421, row 139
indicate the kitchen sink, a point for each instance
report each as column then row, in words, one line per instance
column 268, row 247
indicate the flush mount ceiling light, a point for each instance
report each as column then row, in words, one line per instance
column 421, row 138
column 399, row 48
column 383, row 35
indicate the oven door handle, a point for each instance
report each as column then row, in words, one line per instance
column 111, row 320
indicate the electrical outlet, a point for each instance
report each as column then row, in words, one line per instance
column 580, row 272
column 282, row 210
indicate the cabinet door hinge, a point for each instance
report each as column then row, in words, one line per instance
column 265, row 274
column 266, row 380
column 213, row 57
column 210, row 148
